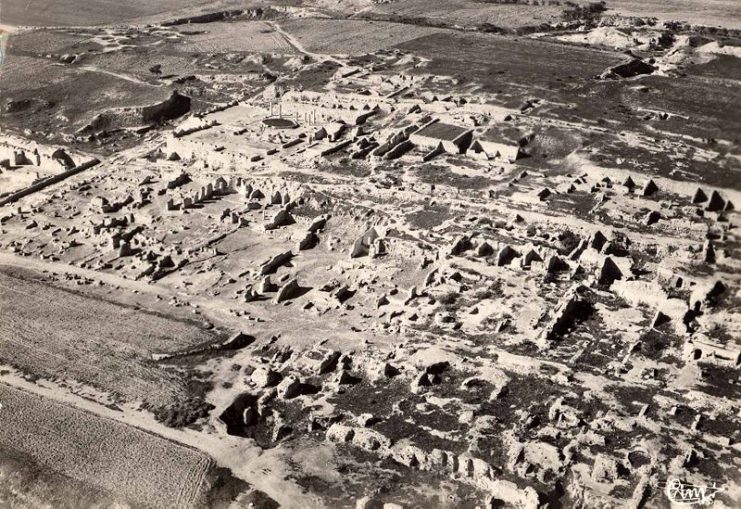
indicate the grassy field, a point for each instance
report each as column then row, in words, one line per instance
column 53, row 333
column 42, row 41
column 711, row 104
column 498, row 63
column 221, row 37
column 132, row 465
column 352, row 37
column 67, row 96
column 516, row 69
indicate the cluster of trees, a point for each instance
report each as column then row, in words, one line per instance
column 184, row 413
column 589, row 12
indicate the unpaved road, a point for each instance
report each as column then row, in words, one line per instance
column 290, row 39
column 132, row 79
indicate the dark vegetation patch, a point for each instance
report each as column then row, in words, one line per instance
column 653, row 344
column 631, row 396
column 371, row 398
column 313, row 77
column 441, row 175
column 225, row 488
column 391, row 482
column 430, row 216
column 590, row 12
column 190, row 409
column 346, row 167
column 721, row 381
column 183, row 414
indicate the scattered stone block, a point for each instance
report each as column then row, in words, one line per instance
column 265, row 377
column 543, row 194
column 288, row 291
column 716, row 202
column 609, row 272
column 650, row 188
column 362, row 246
column 328, row 363
column 272, row 265
column 505, row 256
column 280, row 219
column 340, row 433
column 289, row 387
column 699, row 196
column 317, row 224
column 308, row 241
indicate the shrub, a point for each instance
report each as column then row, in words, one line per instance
column 590, row 12
column 567, row 241
column 184, row 413
column 448, row 298
column 666, row 40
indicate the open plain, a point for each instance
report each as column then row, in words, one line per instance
column 370, row 254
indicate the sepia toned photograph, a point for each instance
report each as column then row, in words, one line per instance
column 370, row 254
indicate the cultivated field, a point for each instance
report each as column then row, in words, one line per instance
column 352, row 37
column 724, row 13
column 471, row 13
column 25, row 483
column 57, row 334
column 131, row 465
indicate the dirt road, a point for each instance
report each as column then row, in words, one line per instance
column 290, row 39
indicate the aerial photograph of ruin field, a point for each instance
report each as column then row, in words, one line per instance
column 370, row 254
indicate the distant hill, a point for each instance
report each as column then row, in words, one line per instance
column 501, row 13
column 89, row 12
